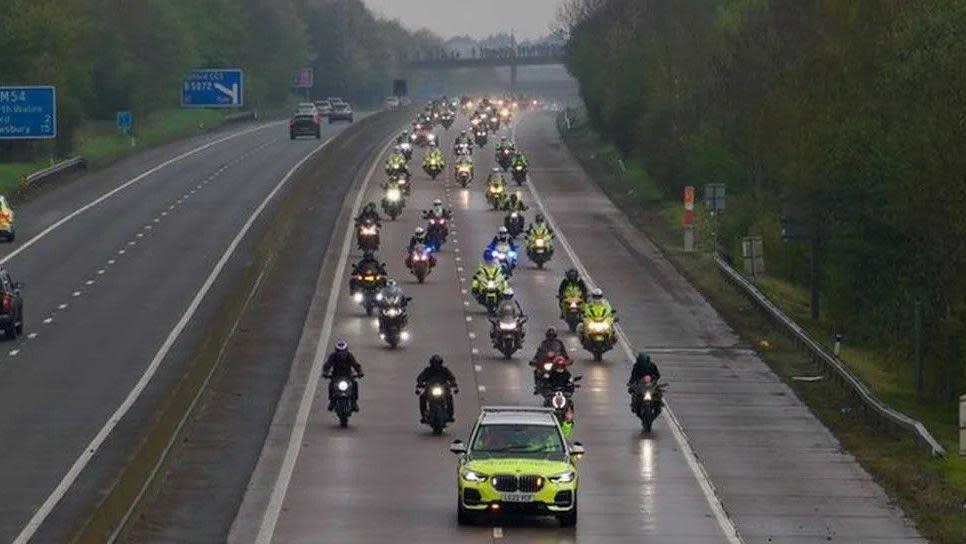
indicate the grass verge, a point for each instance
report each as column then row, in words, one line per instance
column 931, row 491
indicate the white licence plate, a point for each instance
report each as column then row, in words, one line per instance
column 517, row 497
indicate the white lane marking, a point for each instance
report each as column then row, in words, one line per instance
column 76, row 294
column 458, row 259
column 472, row 335
column 481, row 388
column 91, row 449
column 89, row 282
column 475, row 351
column 40, row 235
column 62, row 306
column 498, row 532
column 140, row 235
column 48, row 321
column 100, row 272
column 32, row 335
column 697, row 468
column 466, row 303
column 267, row 528
column 132, row 243
column 121, row 251
column 14, row 352
column 469, row 318
column 111, row 261
column 478, row 368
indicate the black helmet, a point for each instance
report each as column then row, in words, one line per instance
column 572, row 275
column 551, row 333
column 540, row 218
column 643, row 358
column 436, row 361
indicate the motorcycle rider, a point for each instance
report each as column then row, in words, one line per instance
column 509, row 307
column 435, row 373
column 539, row 228
column 598, row 304
column 643, row 366
column 418, row 237
column 341, row 364
column 490, row 269
column 402, row 138
column 550, row 344
column 393, row 294
column 514, row 203
column 369, row 213
column 572, row 278
column 437, row 211
column 502, row 237
column 505, row 143
column 519, row 159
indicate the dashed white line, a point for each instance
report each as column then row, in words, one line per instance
column 32, row 335
column 481, row 388
column 111, row 261
column 101, row 272
column 478, row 368
column 89, row 282
column 469, row 318
column 62, row 306
column 75, row 294
column 472, row 335
column 121, row 251
column 475, row 351
column 48, row 321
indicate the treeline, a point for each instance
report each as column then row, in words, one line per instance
column 848, row 116
column 110, row 55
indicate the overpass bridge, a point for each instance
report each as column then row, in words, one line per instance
column 513, row 61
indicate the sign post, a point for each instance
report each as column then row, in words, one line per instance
column 215, row 88
column 962, row 426
column 305, row 79
column 28, row 113
column 125, row 122
column 689, row 218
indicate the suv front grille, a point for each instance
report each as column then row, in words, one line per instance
column 508, row 483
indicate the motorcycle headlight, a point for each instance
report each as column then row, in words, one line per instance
column 357, row 297
column 343, row 385
column 548, row 366
column 472, row 476
column 437, row 391
column 378, row 296
column 406, row 147
column 648, row 395
column 514, row 215
column 573, row 305
column 512, row 254
column 598, row 326
column 369, row 231
column 393, row 195
column 539, row 242
column 563, row 477
column 393, row 312
column 499, row 255
column 491, row 284
column 508, row 325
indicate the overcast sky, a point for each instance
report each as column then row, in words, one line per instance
column 478, row 18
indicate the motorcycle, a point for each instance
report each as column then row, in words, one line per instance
column 505, row 254
column 647, row 399
column 367, row 235
column 434, row 166
column 507, row 335
column 519, row 174
column 392, row 323
column 571, row 306
column 393, row 201
column 463, row 173
column 436, row 232
column 560, row 398
column 340, row 397
column 489, row 295
column 366, row 289
column 480, row 137
column 504, row 157
column 406, row 148
column 514, row 223
column 421, row 262
column 438, row 412
column 597, row 335
column 496, row 193
column 539, row 249
column 462, row 149
column 446, row 119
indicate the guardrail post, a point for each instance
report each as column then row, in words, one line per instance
column 962, row 426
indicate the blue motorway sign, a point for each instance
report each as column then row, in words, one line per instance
column 28, row 113
column 213, row 89
column 125, row 121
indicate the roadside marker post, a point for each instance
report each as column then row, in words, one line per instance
column 962, row 426
column 689, row 218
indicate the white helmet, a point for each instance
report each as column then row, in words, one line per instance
column 597, row 294
column 420, row 230
column 438, row 202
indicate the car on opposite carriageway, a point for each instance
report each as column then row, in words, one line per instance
column 517, row 461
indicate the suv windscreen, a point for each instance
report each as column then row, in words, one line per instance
column 517, row 440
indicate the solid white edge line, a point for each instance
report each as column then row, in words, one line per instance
column 60, row 222
column 91, row 449
column 697, row 468
column 273, row 510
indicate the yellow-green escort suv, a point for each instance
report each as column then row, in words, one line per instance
column 517, row 461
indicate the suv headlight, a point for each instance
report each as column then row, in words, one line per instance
column 471, row 476
column 563, row 477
